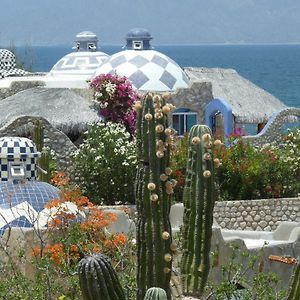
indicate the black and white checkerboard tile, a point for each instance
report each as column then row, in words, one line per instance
column 17, row 150
column 148, row 70
column 8, row 65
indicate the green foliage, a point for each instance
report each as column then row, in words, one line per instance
column 235, row 276
column 178, row 164
column 105, row 164
column 250, row 173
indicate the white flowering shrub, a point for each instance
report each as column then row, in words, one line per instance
column 105, row 164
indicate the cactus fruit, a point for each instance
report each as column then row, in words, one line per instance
column 294, row 288
column 198, row 198
column 98, row 280
column 153, row 191
column 155, row 293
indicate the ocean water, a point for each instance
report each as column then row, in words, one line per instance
column 275, row 68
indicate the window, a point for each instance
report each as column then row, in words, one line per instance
column 91, row 46
column 183, row 119
column 137, row 45
column 17, row 171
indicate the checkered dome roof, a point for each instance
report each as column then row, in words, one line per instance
column 17, row 147
column 7, row 60
column 79, row 63
column 8, row 64
column 148, row 70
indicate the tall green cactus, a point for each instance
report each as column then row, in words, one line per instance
column 155, row 293
column 98, row 280
column 199, row 198
column 153, row 190
column 294, row 288
column 38, row 135
column 44, row 161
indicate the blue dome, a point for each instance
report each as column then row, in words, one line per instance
column 138, row 39
column 22, row 204
column 139, row 33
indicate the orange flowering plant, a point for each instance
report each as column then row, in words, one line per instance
column 76, row 227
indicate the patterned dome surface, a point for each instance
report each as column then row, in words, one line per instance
column 79, row 63
column 23, row 204
column 16, row 147
column 148, row 70
column 8, row 64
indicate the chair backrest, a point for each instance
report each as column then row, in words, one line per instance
column 176, row 216
column 123, row 223
column 295, row 235
column 284, row 229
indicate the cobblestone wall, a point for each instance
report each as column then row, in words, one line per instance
column 262, row 214
column 54, row 139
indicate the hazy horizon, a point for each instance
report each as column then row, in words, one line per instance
column 170, row 22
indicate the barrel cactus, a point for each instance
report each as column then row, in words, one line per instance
column 155, row 293
column 199, row 198
column 153, row 191
column 98, row 280
column 294, row 288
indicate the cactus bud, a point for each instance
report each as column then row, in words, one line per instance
column 151, row 186
column 159, row 154
column 163, row 177
column 165, row 235
column 217, row 163
column 167, row 270
column 196, row 140
column 168, row 171
column 206, row 174
column 154, row 197
column 137, row 105
column 166, row 109
column 168, row 257
column 159, row 128
column 217, row 143
column 148, row 117
column 206, row 156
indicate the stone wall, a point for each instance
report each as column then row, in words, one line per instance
column 54, row 139
column 262, row 214
column 195, row 98
column 272, row 131
column 18, row 86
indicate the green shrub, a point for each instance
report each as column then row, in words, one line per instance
column 105, row 164
column 250, row 173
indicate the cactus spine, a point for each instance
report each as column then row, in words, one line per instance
column 294, row 289
column 98, row 280
column 153, row 191
column 199, row 197
column 155, row 293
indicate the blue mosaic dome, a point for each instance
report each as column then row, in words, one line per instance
column 22, row 204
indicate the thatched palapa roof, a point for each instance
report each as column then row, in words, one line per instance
column 250, row 104
column 63, row 108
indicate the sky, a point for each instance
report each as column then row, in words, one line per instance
column 56, row 22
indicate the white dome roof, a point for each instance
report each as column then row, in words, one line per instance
column 148, row 70
column 79, row 63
